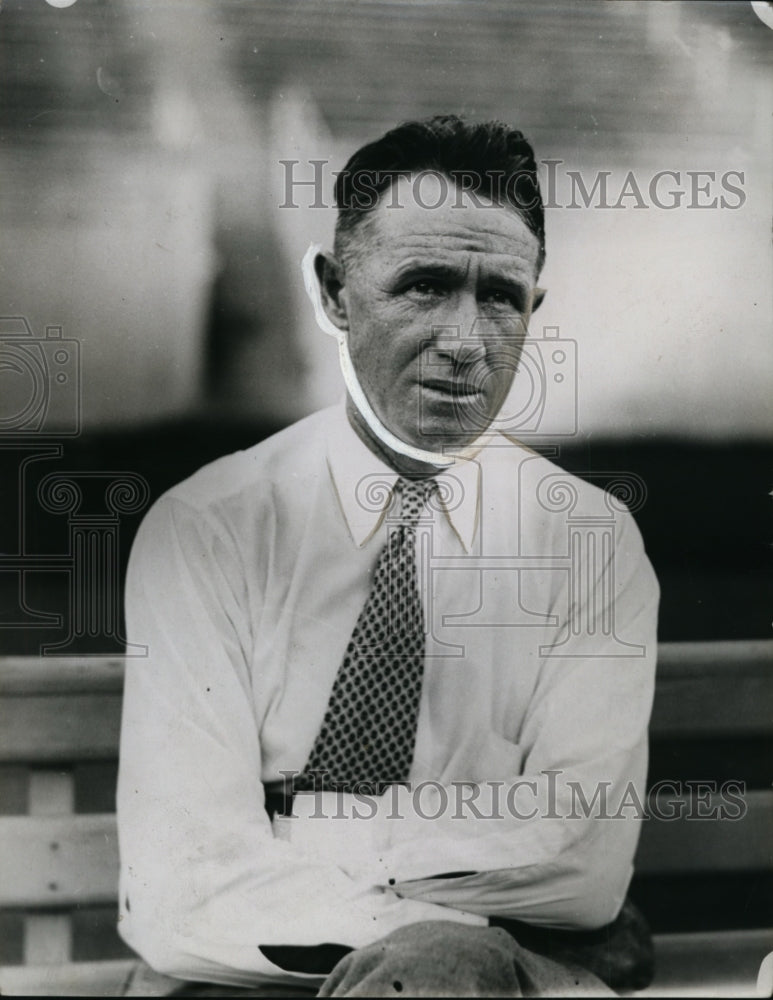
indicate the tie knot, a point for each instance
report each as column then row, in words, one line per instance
column 415, row 493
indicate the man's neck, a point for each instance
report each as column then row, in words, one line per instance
column 400, row 463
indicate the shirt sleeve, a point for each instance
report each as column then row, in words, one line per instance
column 204, row 884
column 555, row 844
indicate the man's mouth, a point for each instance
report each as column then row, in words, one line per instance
column 456, row 389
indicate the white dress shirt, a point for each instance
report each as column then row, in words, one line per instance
column 245, row 583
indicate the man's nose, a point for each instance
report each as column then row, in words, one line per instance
column 460, row 347
column 459, row 339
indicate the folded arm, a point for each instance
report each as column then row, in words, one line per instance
column 554, row 843
column 204, row 883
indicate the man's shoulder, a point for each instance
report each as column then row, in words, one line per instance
column 540, row 481
column 241, row 498
column 284, row 459
column 538, row 464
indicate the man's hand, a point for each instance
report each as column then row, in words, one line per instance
column 447, row 959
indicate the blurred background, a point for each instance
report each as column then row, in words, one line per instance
column 163, row 173
column 160, row 164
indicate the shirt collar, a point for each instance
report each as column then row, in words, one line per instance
column 364, row 484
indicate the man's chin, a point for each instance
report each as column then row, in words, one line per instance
column 438, row 434
column 445, row 440
column 450, row 424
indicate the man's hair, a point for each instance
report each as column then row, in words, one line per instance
column 487, row 159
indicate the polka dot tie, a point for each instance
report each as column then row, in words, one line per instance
column 368, row 734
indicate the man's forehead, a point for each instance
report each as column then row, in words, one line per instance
column 428, row 214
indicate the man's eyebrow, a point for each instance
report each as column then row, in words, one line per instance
column 447, row 269
column 499, row 280
column 429, row 267
column 518, row 287
column 505, row 278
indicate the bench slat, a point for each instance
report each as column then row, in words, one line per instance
column 68, row 860
column 700, row 659
column 83, row 866
column 66, row 708
column 692, row 845
column 24, row 675
column 718, row 709
column 50, row 674
column 714, row 964
column 74, row 979
column 47, row 938
column 58, row 727
column 47, row 728
column 713, row 689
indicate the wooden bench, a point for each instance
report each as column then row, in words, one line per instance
column 59, row 729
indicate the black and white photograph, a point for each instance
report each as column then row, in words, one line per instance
column 386, row 463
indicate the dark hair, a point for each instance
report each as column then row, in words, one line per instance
column 488, row 159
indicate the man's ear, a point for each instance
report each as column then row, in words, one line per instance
column 536, row 298
column 330, row 275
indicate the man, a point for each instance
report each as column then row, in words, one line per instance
column 382, row 606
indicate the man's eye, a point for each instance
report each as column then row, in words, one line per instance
column 425, row 288
column 501, row 299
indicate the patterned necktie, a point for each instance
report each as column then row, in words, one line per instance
column 369, row 731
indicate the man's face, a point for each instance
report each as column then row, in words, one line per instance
column 436, row 302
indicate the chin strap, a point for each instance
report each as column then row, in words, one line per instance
column 358, row 397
